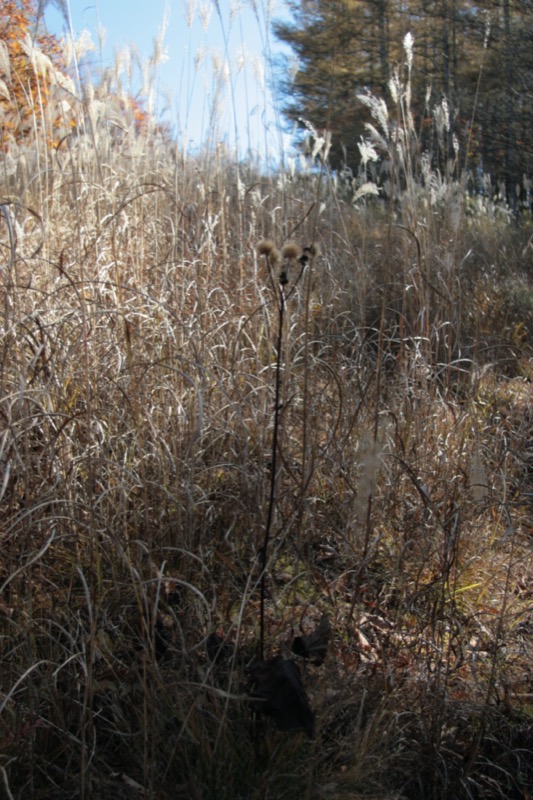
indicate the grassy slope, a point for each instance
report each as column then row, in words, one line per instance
column 137, row 383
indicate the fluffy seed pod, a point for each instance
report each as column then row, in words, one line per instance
column 291, row 250
column 308, row 253
column 265, row 247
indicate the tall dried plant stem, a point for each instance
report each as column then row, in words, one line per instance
column 305, row 415
column 273, row 470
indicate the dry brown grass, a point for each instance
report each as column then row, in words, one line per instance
column 137, row 383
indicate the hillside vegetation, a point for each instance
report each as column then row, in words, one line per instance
column 175, row 376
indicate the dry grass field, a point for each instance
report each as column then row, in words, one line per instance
column 174, row 378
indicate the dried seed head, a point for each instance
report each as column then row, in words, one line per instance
column 265, row 247
column 291, row 250
column 313, row 251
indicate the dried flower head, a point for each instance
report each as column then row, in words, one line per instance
column 291, row 250
column 265, row 247
column 313, row 251
column 308, row 253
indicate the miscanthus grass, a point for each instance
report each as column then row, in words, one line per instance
column 143, row 375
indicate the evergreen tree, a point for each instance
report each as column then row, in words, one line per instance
column 478, row 57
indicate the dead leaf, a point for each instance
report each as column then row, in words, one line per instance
column 278, row 692
column 315, row 645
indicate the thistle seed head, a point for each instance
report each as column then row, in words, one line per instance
column 265, row 247
column 313, row 251
column 291, row 250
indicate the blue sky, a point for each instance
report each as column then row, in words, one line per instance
column 216, row 57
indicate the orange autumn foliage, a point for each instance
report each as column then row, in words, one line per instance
column 25, row 72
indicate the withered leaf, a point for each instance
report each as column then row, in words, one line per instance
column 278, row 692
column 315, row 645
